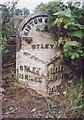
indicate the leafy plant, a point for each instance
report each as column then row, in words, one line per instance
column 13, row 77
column 3, row 47
column 73, row 50
column 8, row 11
column 51, row 104
column 40, row 27
column 67, row 22
column 7, row 31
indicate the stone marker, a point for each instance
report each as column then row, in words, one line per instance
column 36, row 55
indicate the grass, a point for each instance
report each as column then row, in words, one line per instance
column 75, row 96
column 13, row 77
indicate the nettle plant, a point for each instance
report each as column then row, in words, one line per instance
column 67, row 22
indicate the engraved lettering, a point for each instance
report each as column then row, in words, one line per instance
column 21, row 76
column 38, row 46
column 56, row 78
column 53, row 70
column 34, row 69
column 21, row 67
column 26, row 77
column 27, row 29
column 31, row 79
column 56, row 70
column 28, row 26
column 35, row 21
column 51, row 45
column 40, row 20
column 35, row 79
column 46, row 20
column 27, row 69
column 47, row 46
column 42, row 46
column 61, row 68
column 31, row 23
column 33, row 46
column 62, row 76
column 25, row 33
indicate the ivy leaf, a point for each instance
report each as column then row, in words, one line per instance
column 57, row 13
column 73, row 57
column 66, row 26
column 40, row 27
column 76, row 34
column 68, row 22
column 77, row 55
column 58, row 21
column 66, row 13
column 80, row 51
column 79, row 26
column 55, row 44
column 74, row 43
column 42, row 6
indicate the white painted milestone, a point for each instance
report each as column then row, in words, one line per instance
column 35, row 52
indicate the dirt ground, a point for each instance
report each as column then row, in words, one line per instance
column 19, row 101
column 22, row 102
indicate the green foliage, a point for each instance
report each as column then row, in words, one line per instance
column 73, row 50
column 67, row 22
column 7, row 30
column 51, row 104
column 13, row 77
column 8, row 12
column 3, row 48
column 22, row 12
column 40, row 27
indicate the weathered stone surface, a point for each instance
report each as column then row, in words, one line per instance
column 16, row 21
column 36, row 54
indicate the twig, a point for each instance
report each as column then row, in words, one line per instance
column 7, row 65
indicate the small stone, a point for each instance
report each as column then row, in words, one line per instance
column 33, row 110
column 59, row 116
column 59, row 112
column 11, row 109
column 5, row 99
column 7, row 113
column 64, row 92
column 16, row 108
column 58, row 93
column 40, row 116
column 1, row 90
column 47, row 116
